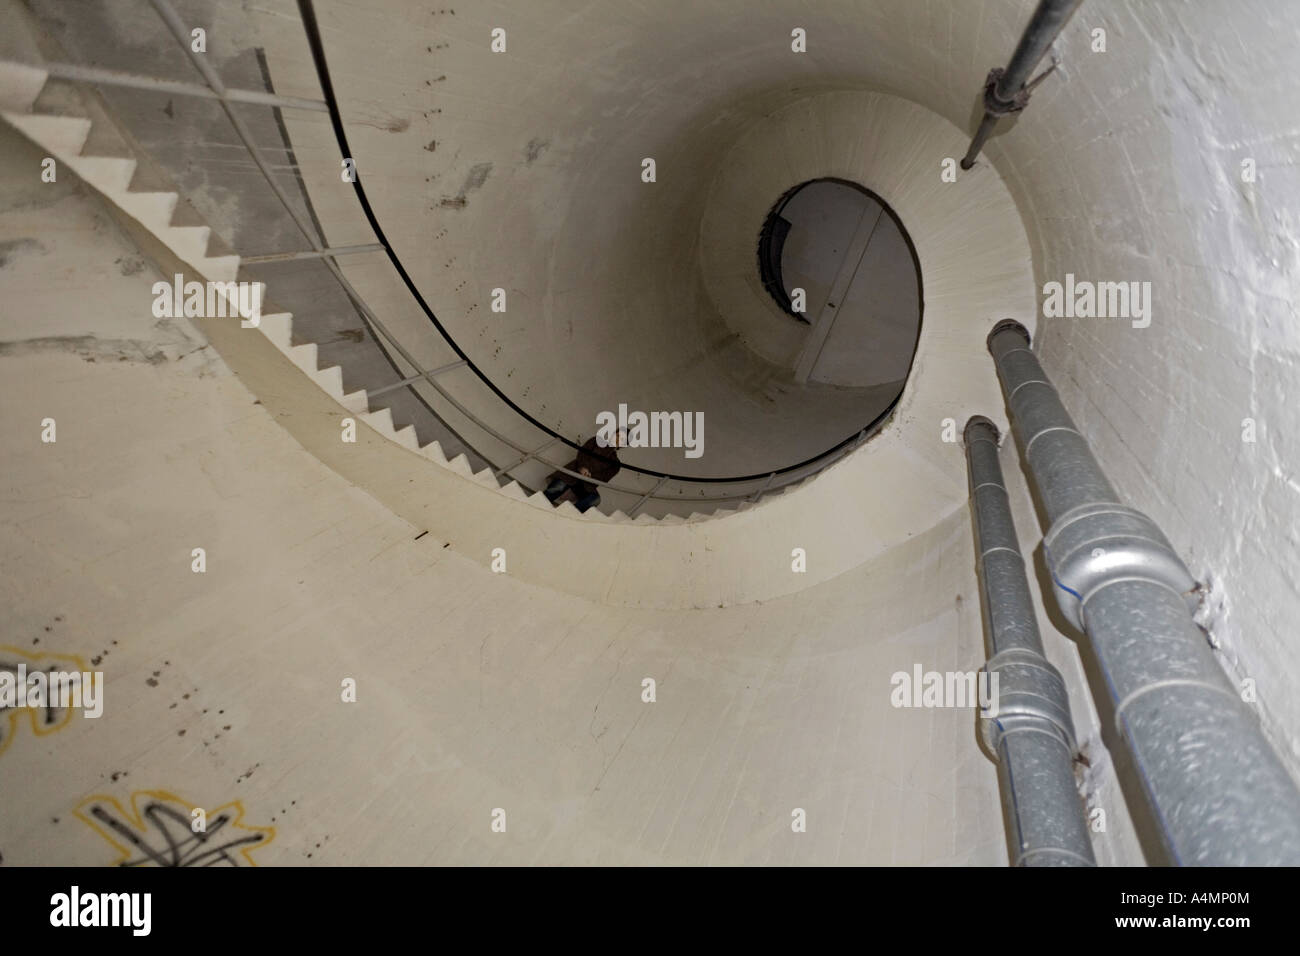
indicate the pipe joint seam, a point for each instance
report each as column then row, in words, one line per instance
column 1097, row 544
column 1186, row 597
column 1028, row 381
column 979, row 428
column 1004, row 549
column 1032, row 724
column 1024, row 688
column 1215, row 691
column 1018, row 339
column 1048, row 430
column 1056, row 856
column 995, row 732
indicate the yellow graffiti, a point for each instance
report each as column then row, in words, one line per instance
column 158, row 831
column 44, row 720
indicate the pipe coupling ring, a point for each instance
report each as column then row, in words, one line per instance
column 1093, row 545
column 1023, row 688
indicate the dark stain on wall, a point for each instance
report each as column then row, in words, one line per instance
column 478, row 175
column 534, row 149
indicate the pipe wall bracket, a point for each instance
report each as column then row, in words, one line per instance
column 995, row 105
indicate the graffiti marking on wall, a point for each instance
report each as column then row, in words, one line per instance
column 157, row 831
column 46, row 719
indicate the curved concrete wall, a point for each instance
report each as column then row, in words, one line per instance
column 496, row 171
column 976, row 269
column 474, row 691
column 1135, row 169
column 1127, row 167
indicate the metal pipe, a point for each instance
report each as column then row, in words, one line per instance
column 982, row 134
column 100, row 76
column 1048, row 20
column 646, row 497
column 1219, row 793
column 762, row 489
column 210, row 76
column 1007, row 91
column 311, row 254
column 1030, row 732
column 529, row 457
column 420, row 376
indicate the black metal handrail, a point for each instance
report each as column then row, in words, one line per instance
column 316, row 44
column 764, row 482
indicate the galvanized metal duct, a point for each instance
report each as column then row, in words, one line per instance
column 1031, row 735
column 1218, row 791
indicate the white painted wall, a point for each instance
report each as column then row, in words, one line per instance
column 475, row 690
column 522, row 171
column 520, row 690
column 1132, row 170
